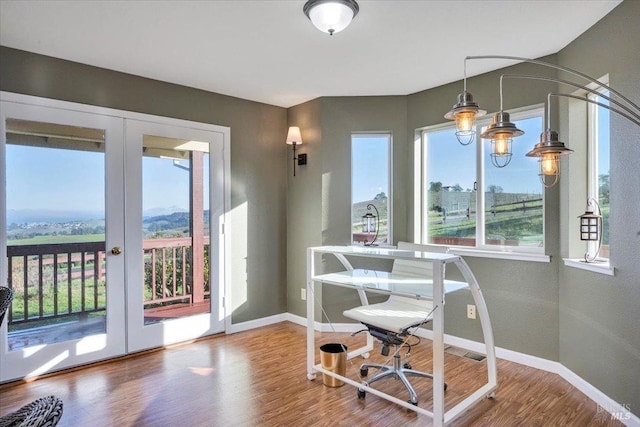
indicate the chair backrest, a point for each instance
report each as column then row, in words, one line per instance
column 412, row 268
column 6, row 295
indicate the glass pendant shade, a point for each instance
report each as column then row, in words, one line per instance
column 464, row 112
column 549, row 150
column 501, row 133
column 331, row 16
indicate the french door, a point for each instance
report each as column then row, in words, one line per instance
column 112, row 231
column 62, row 210
column 175, row 212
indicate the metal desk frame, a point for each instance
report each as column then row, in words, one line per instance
column 439, row 416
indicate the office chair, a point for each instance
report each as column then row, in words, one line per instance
column 391, row 323
column 43, row 412
column 6, row 295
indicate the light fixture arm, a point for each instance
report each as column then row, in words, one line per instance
column 501, row 98
column 557, row 67
column 635, row 117
column 608, row 107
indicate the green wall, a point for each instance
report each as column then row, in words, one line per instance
column 258, row 180
column 600, row 315
column 587, row 321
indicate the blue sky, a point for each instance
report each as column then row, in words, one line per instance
column 370, row 166
column 452, row 163
column 69, row 180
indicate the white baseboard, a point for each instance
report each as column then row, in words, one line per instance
column 233, row 328
column 604, row 402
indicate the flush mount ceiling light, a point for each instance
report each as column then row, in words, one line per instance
column 331, row 16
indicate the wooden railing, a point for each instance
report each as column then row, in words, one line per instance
column 69, row 279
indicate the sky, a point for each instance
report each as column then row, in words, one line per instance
column 452, row 163
column 369, row 166
column 70, row 180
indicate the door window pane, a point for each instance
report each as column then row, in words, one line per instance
column 55, row 232
column 175, row 228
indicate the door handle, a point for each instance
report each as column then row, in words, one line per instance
column 116, row 250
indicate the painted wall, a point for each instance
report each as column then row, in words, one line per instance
column 258, row 180
column 600, row 315
column 324, row 204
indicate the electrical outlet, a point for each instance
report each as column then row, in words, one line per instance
column 303, row 293
column 471, row 311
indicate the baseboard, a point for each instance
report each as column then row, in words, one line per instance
column 232, row 328
column 604, row 402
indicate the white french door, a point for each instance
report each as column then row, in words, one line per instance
column 61, row 211
column 111, row 232
column 175, row 212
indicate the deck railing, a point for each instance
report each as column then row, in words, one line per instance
column 69, row 279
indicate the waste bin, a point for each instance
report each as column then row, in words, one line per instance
column 333, row 357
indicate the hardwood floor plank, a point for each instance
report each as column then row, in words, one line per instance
column 258, row 378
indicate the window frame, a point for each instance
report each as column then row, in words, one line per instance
column 481, row 249
column 379, row 134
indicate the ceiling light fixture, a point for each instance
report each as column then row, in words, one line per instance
column 331, row 16
column 550, row 148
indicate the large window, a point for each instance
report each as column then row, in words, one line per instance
column 371, row 187
column 466, row 201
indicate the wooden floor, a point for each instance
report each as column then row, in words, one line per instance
column 258, row 378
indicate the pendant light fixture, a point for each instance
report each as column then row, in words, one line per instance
column 331, row 16
column 501, row 133
column 549, row 150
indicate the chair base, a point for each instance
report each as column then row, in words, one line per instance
column 397, row 371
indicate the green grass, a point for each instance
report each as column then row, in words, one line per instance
column 48, row 239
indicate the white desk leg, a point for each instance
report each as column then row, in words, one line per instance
column 438, row 344
column 310, row 314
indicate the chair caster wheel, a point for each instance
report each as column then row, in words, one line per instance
column 445, row 386
column 364, row 372
column 406, row 365
column 412, row 402
column 361, row 394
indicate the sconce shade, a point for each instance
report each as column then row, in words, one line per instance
column 464, row 112
column 294, row 136
column 549, row 150
column 331, row 16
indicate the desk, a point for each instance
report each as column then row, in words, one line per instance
column 399, row 284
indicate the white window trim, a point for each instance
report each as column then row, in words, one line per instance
column 482, row 250
column 601, row 265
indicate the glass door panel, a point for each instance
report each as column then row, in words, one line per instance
column 175, row 227
column 175, row 292
column 63, row 174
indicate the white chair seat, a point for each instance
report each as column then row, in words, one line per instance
column 396, row 314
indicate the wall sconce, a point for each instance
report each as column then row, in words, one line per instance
column 591, row 228
column 549, row 149
column 371, row 224
column 331, row 16
column 295, row 138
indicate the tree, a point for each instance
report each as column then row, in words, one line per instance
column 435, row 186
column 495, row 189
column 604, row 188
column 456, row 187
column 380, row 196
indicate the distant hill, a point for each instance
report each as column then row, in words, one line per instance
column 21, row 216
column 175, row 220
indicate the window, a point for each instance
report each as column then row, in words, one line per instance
column 371, row 187
column 598, row 166
column 466, row 201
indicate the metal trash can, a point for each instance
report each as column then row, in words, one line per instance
column 333, row 357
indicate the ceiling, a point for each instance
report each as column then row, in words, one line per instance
column 268, row 51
